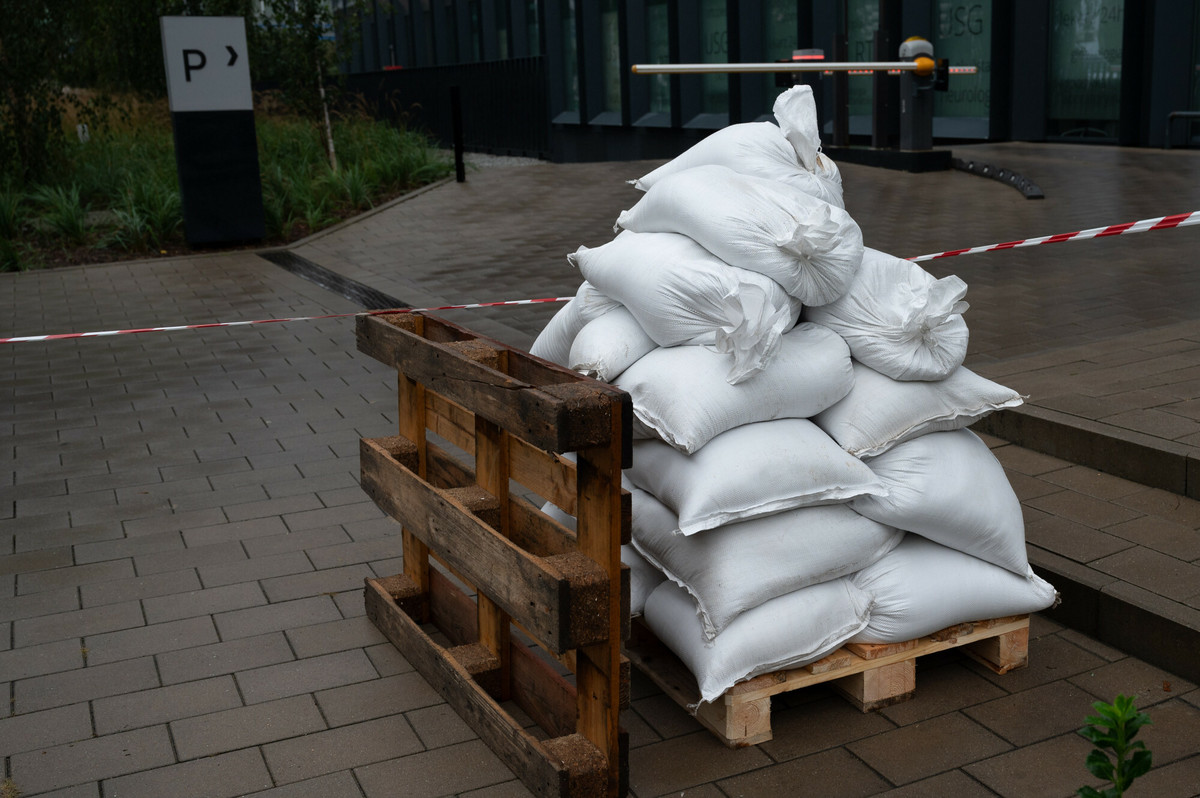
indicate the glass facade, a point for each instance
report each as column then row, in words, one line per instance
column 1060, row 68
column 658, row 51
column 1084, row 90
column 1194, row 105
column 714, row 49
column 962, row 33
column 862, row 20
column 780, row 26
column 570, row 63
column 610, row 49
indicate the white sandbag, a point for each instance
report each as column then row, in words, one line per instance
column 681, row 293
column 680, row 394
column 553, row 343
column 899, row 320
column 608, row 345
column 751, row 470
column 796, row 112
column 643, row 577
column 787, row 632
column 921, row 587
column 759, row 149
column 737, row 567
column 950, row 488
column 808, row 246
column 880, row 412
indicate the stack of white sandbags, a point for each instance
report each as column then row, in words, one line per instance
column 799, row 407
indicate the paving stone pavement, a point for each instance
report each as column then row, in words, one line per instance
column 183, row 538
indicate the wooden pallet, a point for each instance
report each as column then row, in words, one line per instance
column 870, row 676
column 485, row 568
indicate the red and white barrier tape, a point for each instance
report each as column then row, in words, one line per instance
column 61, row 336
column 1161, row 223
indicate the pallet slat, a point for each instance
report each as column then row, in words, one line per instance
column 561, row 417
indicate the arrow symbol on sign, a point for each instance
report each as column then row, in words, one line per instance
column 232, row 54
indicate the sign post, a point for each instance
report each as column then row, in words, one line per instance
column 212, row 114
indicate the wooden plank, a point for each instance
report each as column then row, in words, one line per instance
column 410, row 402
column 738, row 723
column 880, row 687
column 561, row 417
column 879, row 650
column 491, row 474
column 556, row 598
column 548, row 475
column 1004, row 652
column 451, row 421
column 598, row 532
column 559, row 767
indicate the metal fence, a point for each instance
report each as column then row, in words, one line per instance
column 504, row 107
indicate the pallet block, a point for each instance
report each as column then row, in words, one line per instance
column 870, row 676
column 531, row 612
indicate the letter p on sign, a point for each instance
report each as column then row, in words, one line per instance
column 199, row 77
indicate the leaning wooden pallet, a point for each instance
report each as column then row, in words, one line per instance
column 470, row 527
column 870, row 676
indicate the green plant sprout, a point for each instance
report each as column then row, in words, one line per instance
column 1113, row 727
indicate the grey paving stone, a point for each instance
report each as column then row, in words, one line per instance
column 39, row 660
column 332, row 515
column 151, row 639
column 1024, row 771
column 222, row 658
column 164, row 704
column 224, row 776
column 387, row 660
column 259, row 527
column 358, row 552
column 376, row 698
column 305, row 676
column 139, row 587
column 89, row 760
column 434, row 773
column 36, row 560
column 127, row 547
column 75, row 624
column 926, row 749
column 216, row 554
column 83, row 684
column 173, row 522
column 73, row 576
column 45, row 603
column 198, row 502
column 249, row 570
column 439, row 726
column 332, row 580
column 325, row 638
column 35, row 540
column 677, row 764
column 310, row 540
column 45, row 729
column 339, row 749
column 832, row 773
column 274, row 617
column 341, row 783
column 203, row 602
column 296, row 484
column 273, row 507
column 242, row 727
